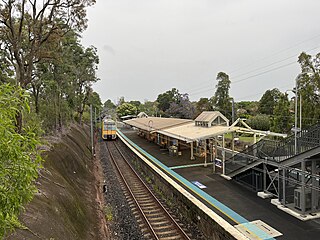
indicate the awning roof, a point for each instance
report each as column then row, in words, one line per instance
column 191, row 133
column 186, row 130
column 155, row 123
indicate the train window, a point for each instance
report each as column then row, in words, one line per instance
column 109, row 126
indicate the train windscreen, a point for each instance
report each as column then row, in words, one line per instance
column 109, row 126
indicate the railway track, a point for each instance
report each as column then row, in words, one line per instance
column 155, row 221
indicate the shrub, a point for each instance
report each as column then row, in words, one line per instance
column 19, row 158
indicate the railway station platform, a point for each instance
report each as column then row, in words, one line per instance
column 236, row 197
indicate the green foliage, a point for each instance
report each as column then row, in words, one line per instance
column 183, row 108
column 33, row 121
column 109, row 105
column 309, row 88
column 203, row 104
column 268, row 101
column 165, row 99
column 62, row 86
column 137, row 104
column 259, row 122
column 43, row 48
column 150, row 108
column 282, row 121
column 126, row 109
column 20, row 159
column 95, row 100
column 108, row 213
column 221, row 99
column 247, row 108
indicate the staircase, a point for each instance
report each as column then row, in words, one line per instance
column 275, row 152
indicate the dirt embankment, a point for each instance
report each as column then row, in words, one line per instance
column 69, row 202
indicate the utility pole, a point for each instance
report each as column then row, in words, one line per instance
column 300, row 112
column 95, row 118
column 233, row 111
column 233, row 119
column 296, row 115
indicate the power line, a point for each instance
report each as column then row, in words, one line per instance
column 277, row 53
column 253, row 95
column 262, row 73
column 271, row 64
column 255, row 75
column 246, row 78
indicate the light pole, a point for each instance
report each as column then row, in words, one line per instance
column 296, row 114
column 300, row 125
column 296, row 110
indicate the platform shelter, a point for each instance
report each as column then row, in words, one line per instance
column 204, row 136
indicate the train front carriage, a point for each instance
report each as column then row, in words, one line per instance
column 109, row 129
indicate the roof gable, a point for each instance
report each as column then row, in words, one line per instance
column 208, row 117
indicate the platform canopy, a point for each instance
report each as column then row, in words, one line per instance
column 208, row 124
column 152, row 124
column 191, row 133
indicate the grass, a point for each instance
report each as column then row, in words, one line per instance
column 108, row 212
column 241, row 138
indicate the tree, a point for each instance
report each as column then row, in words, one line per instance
column 182, row 109
column 221, row 99
column 203, row 104
column 126, row 109
column 309, row 88
column 63, row 85
column 268, row 101
column 20, row 158
column 31, row 30
column 27, row 26
column 121, row 101
column 260, row 122
column 109, row 105
column 150, row 108
column 282, row 120
column 165, row 99
column 95, row 101
column 310, row 66
column 84, row 75
column 137, row 104
column 6, row 73
column 250, row 107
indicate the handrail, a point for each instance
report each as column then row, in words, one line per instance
column 276, row 151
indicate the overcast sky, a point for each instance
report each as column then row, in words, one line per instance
column 147, row 47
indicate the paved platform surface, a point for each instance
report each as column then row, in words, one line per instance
column 235, row 196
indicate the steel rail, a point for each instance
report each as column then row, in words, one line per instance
column 132, row 195
column 156, row 199
column 181, row 232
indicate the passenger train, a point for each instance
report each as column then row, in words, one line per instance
column 108, row 129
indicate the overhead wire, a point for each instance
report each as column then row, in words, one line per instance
column 246, row 78
column 211, row 88
column 259, row 93
column 271, row 64
column 277, row 53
